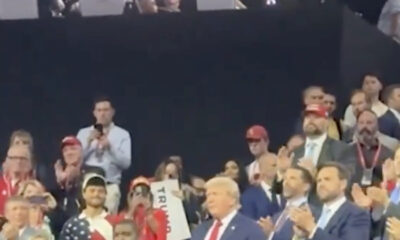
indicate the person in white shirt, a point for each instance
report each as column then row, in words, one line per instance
column 258, row 142
column 107, row 146
column 222, row 203
column 339, row 219
column 372, row 86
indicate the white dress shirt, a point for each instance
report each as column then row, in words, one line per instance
column 253, row 169
column 319, row 141
column 267, row 189
column 225, row 222
column 350, row 120
column 333, row 208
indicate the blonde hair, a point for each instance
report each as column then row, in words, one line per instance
column 227, row 184
column 20, row 133
column 24, row 185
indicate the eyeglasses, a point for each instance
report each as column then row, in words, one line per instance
column 15, row 158
column 253, row 140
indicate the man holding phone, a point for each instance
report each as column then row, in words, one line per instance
column 107, row 146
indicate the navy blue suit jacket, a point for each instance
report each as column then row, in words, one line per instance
column 240, row 228
column 286, row 232
column 256, row 204
column 348, row 223
column 389, row 125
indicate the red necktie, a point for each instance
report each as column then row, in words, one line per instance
column 215, row 230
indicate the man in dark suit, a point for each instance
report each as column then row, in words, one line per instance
column 339, row 219
column 365, row 157
column 318, row 147
column 297, row 184
column 391, row 96
column 260, row 200
column 227, row 224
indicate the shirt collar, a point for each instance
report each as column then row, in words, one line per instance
column 335, row 205
column 228, row 218
column 297, row 202
column 101, row 215
column 265, row 186
column 395, row 112
column 319, row 140
column 21, row 231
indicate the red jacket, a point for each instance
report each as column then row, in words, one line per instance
column 6, row 191
column 145, row 231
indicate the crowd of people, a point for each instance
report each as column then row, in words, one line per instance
column 333, row 179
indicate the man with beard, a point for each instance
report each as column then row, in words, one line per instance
column 367, row 154
column 94, row 222
column 339, row 218
column 360, row 102
column 318, row 147
column 297, row 184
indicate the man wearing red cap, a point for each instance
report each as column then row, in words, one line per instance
column 318, row 147
column 68, row 172
column 151, row 222
column 258, row 141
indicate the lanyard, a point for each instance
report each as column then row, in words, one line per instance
column 361, row 157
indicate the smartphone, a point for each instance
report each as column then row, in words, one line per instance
column 99, row 127
column 39, row 200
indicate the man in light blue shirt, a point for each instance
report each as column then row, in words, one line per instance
column 107, row 146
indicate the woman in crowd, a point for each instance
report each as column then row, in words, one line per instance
column 151, row 222
column 41, row 202
column 39, row 170
column 172, row 169
column 236, row 171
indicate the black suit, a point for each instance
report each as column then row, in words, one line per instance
column 389, row 125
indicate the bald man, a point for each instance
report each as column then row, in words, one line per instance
column 17, row 167
column 260, row 201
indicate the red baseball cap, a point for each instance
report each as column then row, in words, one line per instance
column 137, row 181
column 316, row 109
column 70, row 141
column 256, row 132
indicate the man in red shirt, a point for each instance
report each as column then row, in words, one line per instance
column 17, row 167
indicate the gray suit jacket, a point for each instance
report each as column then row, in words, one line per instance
column 26, row 234
column 332, row 150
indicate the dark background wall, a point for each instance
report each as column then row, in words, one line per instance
column 181, row 84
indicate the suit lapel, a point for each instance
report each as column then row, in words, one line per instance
column 324, row 154
column 230, row 229
column 208, row 226
column 336, row 217
column 299, row 153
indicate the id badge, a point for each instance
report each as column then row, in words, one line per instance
column 367, row 177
